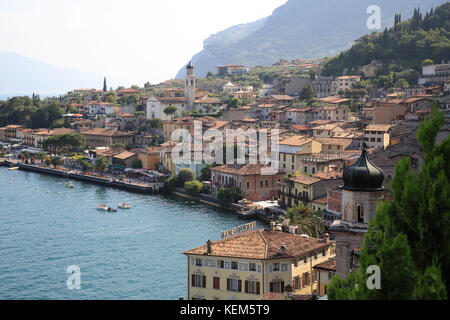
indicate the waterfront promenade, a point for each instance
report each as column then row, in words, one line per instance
column 108, row 181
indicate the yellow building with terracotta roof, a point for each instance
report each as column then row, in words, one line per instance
column 291, row 146
column 306, row 189
column 248, row 265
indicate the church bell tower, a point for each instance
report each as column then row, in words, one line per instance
column 361, row 191
column 189, row 89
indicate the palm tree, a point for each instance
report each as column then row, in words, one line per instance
column 310, row 223
column 41, row 156
column 101, row 164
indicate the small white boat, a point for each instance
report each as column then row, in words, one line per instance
column 124, row 205
column 105, row 208
column 13, row 168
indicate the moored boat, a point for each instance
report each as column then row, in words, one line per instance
column 124, row 205
column 13, row 168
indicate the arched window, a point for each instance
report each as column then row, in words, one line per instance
column 360, row 214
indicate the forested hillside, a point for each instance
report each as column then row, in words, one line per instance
column 402, row 48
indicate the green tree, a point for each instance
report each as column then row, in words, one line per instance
column 205, row 173
column 57, row 161
column 118, row 146
column 105, row 88
column 310, row 223
column 86, row 166
column 409, row 237
column 110, row 97
column 101, row 164
column 170, row 110
column 66, row 143
column 427, row 62
column 307, row 93
column 234, row 102
column 155, row 123
column 184, row 176
column 229, row 195
column 41, row 156
column 193, row 188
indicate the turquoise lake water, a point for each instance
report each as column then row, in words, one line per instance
column 131, row 254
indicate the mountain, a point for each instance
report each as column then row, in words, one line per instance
column 22, row 76
column 298, row 29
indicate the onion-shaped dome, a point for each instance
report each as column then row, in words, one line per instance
column 363, row 175
column 189, row 66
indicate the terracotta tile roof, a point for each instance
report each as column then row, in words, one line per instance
column 266, row 106
column 295, row 141
column 97, row 103
column 329, row 265
column 262, row 244
column 378, row 127
column 241, row 169
column 333, row 99
column 104, row 132
column 283, row 97
column 326, row 126
column 129, row 91
column 319, row 122
column 125, row 155
column 125, row 114
column 333, row 141
column 329, row 175
column 322, row 200
column 306, row 180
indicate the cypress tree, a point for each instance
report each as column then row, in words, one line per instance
column 105, row 88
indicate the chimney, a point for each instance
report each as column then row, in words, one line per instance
column 283, row 249
column 272, row 225
column 326, row 236
column 208, row 247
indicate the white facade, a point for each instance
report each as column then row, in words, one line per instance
column 155, row 108
column 99, row 108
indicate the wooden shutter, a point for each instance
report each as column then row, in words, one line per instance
column 239, row 285
column 282, row 287
column 246, row 286
column 193, row 280
column 271, row 287
column 216, row 283
column 204, row 281
column 229, row 284
column 257, row 287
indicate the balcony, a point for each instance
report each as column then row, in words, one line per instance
column 299, row 196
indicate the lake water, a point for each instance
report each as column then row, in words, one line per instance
column 131, row 254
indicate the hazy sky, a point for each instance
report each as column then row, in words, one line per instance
column 134, row 40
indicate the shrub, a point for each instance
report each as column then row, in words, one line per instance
column 193, row 188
